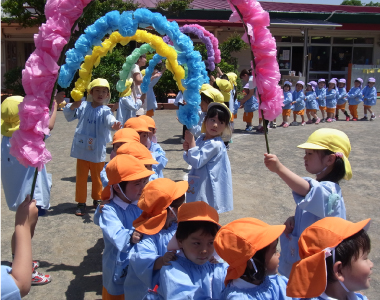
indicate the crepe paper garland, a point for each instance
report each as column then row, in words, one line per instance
column 38, row 79
column 149, row 71
column 127, row 24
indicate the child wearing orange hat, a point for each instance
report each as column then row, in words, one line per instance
column 159, row 202
column 142, row 129
column 249, row 246
column 192, row 275
column 127, row 177
column 334, row 261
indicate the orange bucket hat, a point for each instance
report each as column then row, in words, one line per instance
column 149, row 121
column 156, row 197
column 139, row 151
column 123, row 168
column 125, row 135
column 137, row 124
column 238, row 241
column 308, row 278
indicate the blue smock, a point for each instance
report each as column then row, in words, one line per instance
column 143, row 255
column 370, row 95
column 355, row 96
column 311, row 101
column 299, row 98
column 93, row 131
column 116, row 223
column 341, row 96
column 210, row 177
column 151, row 102
column 196, row 130
column 231, row 103
column 251, row 105
column 17, row 180
column 288, row 99
column 350, row 296
column 331, row 98
column 9, row 288
column 323, row 200
column 272, row 288
column 127, row 108
column 159, row 155
column 103, row 176
column 236, row 106
column 321, row 95
column 178, row 99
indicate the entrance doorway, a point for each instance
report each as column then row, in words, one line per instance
column 297, row 55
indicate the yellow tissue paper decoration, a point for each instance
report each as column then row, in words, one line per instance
column 141, row 36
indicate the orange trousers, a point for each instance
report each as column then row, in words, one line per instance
column 150, row 113
column 83, row 166
column 354, row 111
column 107, row 296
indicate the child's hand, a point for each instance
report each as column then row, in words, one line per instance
column 75, row 105
column 272, row 162
column 142, row 98
column 185, row 146
column 27, row 213
column 168, row 257
column 136, row 237
column 101, row 205
column 289, row 223
column 116, row 126
column 189, row 137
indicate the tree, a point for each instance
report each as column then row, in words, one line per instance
column 352, row 2
column 373, row 4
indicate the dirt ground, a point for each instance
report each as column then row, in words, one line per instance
column 69, row 248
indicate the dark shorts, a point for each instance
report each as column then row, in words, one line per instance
column 41, row 211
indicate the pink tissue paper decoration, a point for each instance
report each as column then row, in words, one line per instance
column 38, row 78
column 263, row 45
column 214, row 41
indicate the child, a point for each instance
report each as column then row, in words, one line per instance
column 311, row 103
column 326, row 156
column 90, row 139
column 151, row 103
column 232, row 77
column 225, row 87
column 250, row 106
column 151, row 126
column 299, row 103
column 342, row 99
column 320, row 91
column 334, row 261
column 191, row 275
column 331, row 101
column 209, row 160
column 159, row 202
column 249, row 246
column 127, row 106
column 369, row 97
column 287, row 108
column 142, row 129
column 127, row 178
column 355, row 96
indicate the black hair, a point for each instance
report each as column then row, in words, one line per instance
column 244, row 72
column 178, row 202
column 223, row 115
column 287, row 85
column 224, row 76
column 215, row 85
column 188, row 227
column 338, row 171
column 123, row 185
column 346, row 250
column 206, row 98
column 259, row 259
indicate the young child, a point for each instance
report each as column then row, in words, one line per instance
column 232, row 77
column 299, row 104
column 369, row 97
column 341, row 99
column 142, row 129
column 355, row 96
column 249, row 246
column 311, row 103
column 320, row 91
column 225, row 87
column 209, row 160
column 331, row 101
column 90, row 139
column 128, row 105
column 127, row 178
column 151, row 102
column 287, row 108
column 334, row 261
column 326, row 156
column 250, row 106
column 159, row 202
column 191, row 275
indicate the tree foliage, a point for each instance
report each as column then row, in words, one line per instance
column 359, row 3
column 173, row 7
column 27, row 13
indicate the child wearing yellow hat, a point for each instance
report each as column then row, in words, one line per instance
column 95, row 120
column 225, row 87
column 127, row 105
column 334, row 261
column 127, row 177
column 191, row 275
column 249, row 246
column 159, row 202
column 326, row 156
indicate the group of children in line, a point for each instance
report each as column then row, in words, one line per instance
column 163, row 239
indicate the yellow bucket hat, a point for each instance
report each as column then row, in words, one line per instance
column 225, row 87
column 128, row 91
column 98, row 82
column 204, row 87
column 142, row 72
column 10, row 121
column 214, row 94
column 232, row 77
column 331, row 139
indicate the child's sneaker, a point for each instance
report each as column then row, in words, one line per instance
column 354, row 119
column 364, row 118
column 81, row 209
column 286, row 125
column 313, row 120
column 373, row 117
column 303, row 123
column 282, row 124
column 294, row 123
column 329, row 120
column 39, row 278
column 249, row 129
column 347, row 118
column 274, row 125
column 35, row 264
column 309, row 122
column 323, row 120
column 317, row 121
column 333, row 120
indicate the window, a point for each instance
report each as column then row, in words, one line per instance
column 283, row 57
column 320, row 57
column 283, row 39
column 338, row 40
column 340, row 58
column 320, row 40
column 363, row 55
column 298, row 39
column 363, row 41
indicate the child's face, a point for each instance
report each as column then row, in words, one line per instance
column 321, row 84
column 357, row 276
column 371, row 84
column 171, row 217
column 357, row 83
column 99, row 94
column 245, row 78
column 198, row 247
column 144, row 139
column 286, row 88
column 149, row 167
column 340, row 85
column 272, row 258
column 60, row 97
column 214, row 127
column 314, row 163
column 204, row 106
column 299, row 87
column 134, row 188
column 309, row 88
column 331, row 86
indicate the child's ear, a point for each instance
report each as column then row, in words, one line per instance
column 337, row 268
column 116, row 188
column 331, row 159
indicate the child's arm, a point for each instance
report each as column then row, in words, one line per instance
column 72, row 111
column 295, row 182
column 331, row 95
column 111, row 121
column 53, row 115
column 299, row 98
column 219, row 71
column 131, row 104
column 247, row 97
column 288, row 99
column 164, row 260
column 310, row 97
column 198, row 157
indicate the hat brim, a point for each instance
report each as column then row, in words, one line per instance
column 180, row 189
column 125, row 140
column 149, row 161
column 150, row 225
column 138, row 176
column 312, row 146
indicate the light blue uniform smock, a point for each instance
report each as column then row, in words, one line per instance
column 331, row 98
column 9, row 288
column 236, row 106
column 311, row 101
column 178, row 99
column 210, row 177
column 151, row 102
column 93, row 131
column 251, row 105
column 323, row 200
column 350, row 296
column 288, row 99
column 103, row 176
column 196, row 130
column 321, row 95
column 370, row 95
column 272, row 288
column 341, row 96
column 143, row 255
column 159, row 155
column 355, row 96
column 299, row 98
column 116, row 223
column 127, row 108
column 17, row 180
